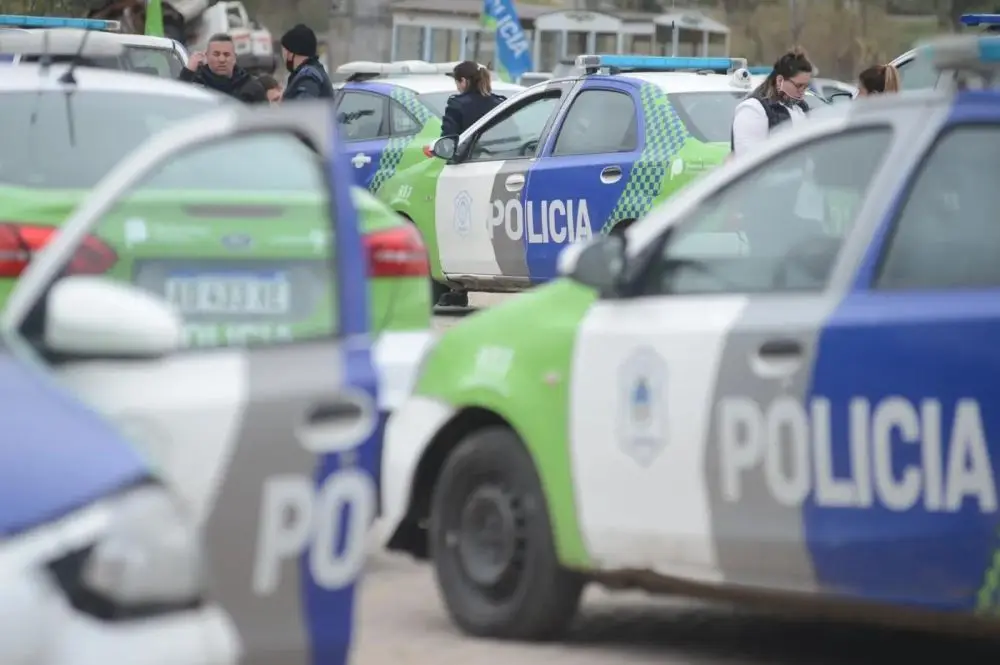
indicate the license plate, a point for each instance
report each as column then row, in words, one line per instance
column 267, row 294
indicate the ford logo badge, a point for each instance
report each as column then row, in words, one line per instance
column 236, row 241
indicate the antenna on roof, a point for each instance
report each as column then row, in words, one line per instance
column 68, row 77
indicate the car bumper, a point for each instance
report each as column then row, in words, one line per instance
column 41, row 628
column 408, row 433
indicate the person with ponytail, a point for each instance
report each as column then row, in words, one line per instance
column 878, row 80
column 475, row 98
column 778, row 99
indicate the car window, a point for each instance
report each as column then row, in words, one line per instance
column 402, row 122
column 598, row 121
column 517, row 135
column 243, row 265
column 361, row 116
column 778, row 228
column 50, row 141
column 156, row 61
column 948, row 234
column 708, row 116
column 917, row 73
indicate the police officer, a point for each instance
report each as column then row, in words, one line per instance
column 475, row 98
column 778, row 99
column 307, row 79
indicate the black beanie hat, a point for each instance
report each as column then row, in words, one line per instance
column 300, row 40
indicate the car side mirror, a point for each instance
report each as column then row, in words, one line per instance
column 840, row 97
column 96, row 317
column 598, row 264
column 445, row 147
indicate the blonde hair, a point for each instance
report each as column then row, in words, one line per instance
column 879, row 79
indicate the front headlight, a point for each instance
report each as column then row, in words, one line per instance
column 147, row 561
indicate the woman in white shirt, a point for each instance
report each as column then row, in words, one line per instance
column 776, row 100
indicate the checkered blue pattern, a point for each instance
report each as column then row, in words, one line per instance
column 665, row 136
column 393, row 151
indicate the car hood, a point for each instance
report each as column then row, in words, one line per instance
column 57, row 455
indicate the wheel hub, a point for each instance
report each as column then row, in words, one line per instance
column 488, row 535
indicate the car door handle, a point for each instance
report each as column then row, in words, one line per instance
column 337, row 424
column 360, row 159
column 777, row 358
column 611, row 175
column 514, row 183
column 780, row 348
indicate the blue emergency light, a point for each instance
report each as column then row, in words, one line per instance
column 964, row 52
column 980, row 19
column 760, row 71
column 16, row 21
column 652, row 63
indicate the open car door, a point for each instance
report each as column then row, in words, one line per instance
column 214, row 306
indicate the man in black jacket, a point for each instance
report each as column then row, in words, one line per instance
column 306, row 77
column 216, row 68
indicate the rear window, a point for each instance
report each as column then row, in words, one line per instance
column 707, row 115
column 156, row 61
column 143, row 59
column 51, row 141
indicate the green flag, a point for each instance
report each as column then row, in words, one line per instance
column 154, row 18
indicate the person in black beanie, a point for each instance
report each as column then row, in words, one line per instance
column 307, row 79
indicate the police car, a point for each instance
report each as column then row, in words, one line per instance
column 96, row 42
column 77, row 501
column 389, row 112
column 919, row 73
column 566, row 160
column 750, row 393
column 250, row 429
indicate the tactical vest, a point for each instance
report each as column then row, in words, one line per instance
column 777, row 113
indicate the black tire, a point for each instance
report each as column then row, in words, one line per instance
column 531, row 597
column 437, row 291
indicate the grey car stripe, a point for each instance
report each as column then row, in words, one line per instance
column 757, row 537
column 284, row 382
column 510, row 252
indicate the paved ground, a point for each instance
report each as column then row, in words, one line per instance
column 402, row 622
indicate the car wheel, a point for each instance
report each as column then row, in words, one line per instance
column 437, row 291
column 492, row 545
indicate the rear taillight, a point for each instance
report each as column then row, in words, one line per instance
column 396, row 252
column 19, row 242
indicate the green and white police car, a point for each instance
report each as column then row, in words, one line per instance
column 751, row 394
column 389, row 112
column 566, row 160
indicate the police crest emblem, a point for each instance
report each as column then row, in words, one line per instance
column 642, row 408
column 463, row 213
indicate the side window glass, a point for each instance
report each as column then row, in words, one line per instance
column 402, row 122
column 361, row 116
column 598, row 121
column 517, row 135
column 917, row 74
column 779, row 228
column 947, row 235
column 242, row 247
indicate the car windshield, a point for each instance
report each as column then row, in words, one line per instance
column 707, row 115
column 52, row 140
